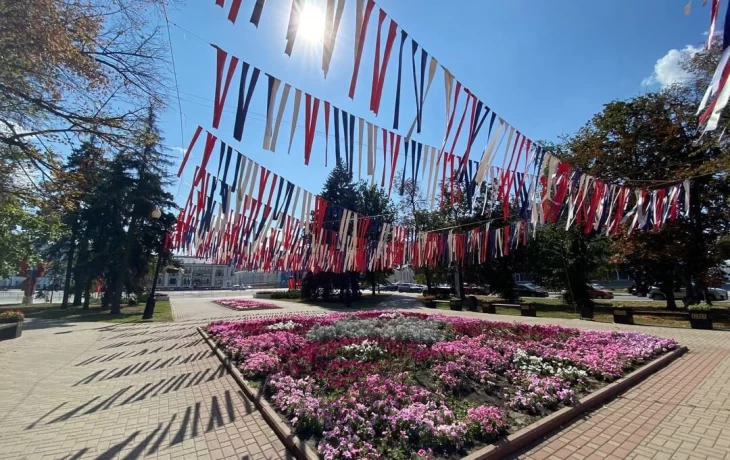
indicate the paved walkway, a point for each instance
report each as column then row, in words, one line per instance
column 75, row 391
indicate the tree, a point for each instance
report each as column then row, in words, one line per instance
column 72, row 188
column 567, row 259
column 372, row 202
column 340, row 189
column 650, row 141
column 106, row 201
column 75, row 68
column 71, row 72
column 27, row 222
column 145, row 173
column 413, row 212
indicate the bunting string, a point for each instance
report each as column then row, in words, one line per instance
column 261, row 231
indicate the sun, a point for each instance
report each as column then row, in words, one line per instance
column 311, row 23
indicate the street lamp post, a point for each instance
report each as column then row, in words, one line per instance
column 149, row 308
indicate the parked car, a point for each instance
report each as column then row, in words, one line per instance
column 713, row 294
column 531, row 290
column 388, row 287
column 409, row 287
column 442, row 291
column 596, row 291
column 638, row 291
column 473, row 289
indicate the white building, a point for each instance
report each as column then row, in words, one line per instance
column 201, row 274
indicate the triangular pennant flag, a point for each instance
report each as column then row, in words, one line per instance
column 333, row 16
column 220, row 95
column 361, row 27
column 244, row 100
column 380, row 67
column 186, row 155
column 295, row 116
column 293, row 25
column 396, row 112
column 310, row 124
column 258, row 8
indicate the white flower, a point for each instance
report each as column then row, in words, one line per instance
column 288, row 325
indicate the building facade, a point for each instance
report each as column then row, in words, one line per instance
column 201, row 274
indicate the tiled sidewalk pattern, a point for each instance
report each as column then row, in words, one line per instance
column 88, row 391
column 94, row 391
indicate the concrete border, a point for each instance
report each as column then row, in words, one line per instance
column 502, row 448
column 531, row 433
column 297, row 446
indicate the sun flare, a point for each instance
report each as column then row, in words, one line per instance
column 311, row 23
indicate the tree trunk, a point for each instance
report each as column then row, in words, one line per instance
column 668, row 289
column 80, row 271
column 693, row 294
column 372, row 281
column 87, row 293
column 459, row 282
column 427, row 274
column 78, row 291
column 354, row 284
column 118, row 282
column 69, row 264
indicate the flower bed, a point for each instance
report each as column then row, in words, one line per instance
column 409, row 385
column 246, row 304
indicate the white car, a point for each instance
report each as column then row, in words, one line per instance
column 408, row 287
column 713, row 294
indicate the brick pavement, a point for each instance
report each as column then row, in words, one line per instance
column 154, row 390
column 127, row 391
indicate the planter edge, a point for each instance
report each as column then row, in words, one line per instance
column 531, row 433
column 299, row 448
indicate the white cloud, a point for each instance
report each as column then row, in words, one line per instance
column 180, row 149
column 667, row 69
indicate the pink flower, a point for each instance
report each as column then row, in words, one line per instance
column 362, row 384
column 245, row 304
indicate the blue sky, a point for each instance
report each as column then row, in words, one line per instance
column 545, row 67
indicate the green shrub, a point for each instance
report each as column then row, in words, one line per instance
column 702, row 306
column 292, row 294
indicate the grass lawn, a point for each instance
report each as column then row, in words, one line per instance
column 636, row 304
column 555, row 308
column 130, row 314
column 366, row 301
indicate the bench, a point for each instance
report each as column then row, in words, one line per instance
column 678, row 314
column 525, row 309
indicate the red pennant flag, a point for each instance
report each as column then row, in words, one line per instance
column 379, row 68
column 189, row 149
column 220, row 97
column 209, row 144
column 310, row 124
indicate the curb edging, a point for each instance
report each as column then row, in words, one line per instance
column 533, row 432
column 298, row 447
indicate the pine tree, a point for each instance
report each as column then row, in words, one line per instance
column 146, row 173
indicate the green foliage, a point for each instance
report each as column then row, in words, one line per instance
column 702, row 306
column 106, row 199
column 555, row 254
column 653, row 139
column 25, row 230
column 291, row 294
column 28, row 221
